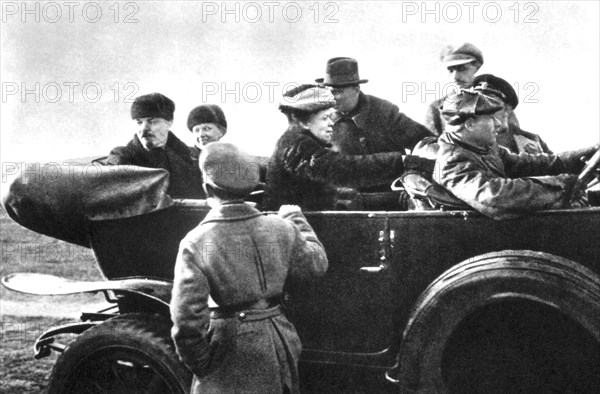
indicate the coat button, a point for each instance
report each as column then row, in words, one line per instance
column 242, row 316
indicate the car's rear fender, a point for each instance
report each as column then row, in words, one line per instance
column 129, row 294
column 149, row 293
column 533, row 277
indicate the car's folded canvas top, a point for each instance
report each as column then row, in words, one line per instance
column 58, row 202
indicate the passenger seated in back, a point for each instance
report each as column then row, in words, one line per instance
column 304, row 171
column 155, row 146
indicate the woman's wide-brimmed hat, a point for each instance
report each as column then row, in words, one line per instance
column 308, row 98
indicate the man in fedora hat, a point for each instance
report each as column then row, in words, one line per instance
column 242, row 259
column 365, row 124
column 511, row 136
column 462, row 62
column 491, row 179
column 155, row 146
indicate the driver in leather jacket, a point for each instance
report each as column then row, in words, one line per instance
column 489, row 178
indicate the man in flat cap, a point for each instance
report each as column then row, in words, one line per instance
column 365, row 124
column 462, row 61
column 494, row 181
column 510, row 136
column 242, row 259
column 155, row 146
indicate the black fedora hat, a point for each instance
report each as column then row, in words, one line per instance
column 341, row 71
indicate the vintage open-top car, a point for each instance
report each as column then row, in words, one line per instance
column 427, row 301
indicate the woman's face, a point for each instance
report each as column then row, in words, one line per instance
column 320, row 125
column 205, row 133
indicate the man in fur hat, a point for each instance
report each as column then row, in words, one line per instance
column 242, row 259
column 155, row 146
column 365, row 124
column 489, row 178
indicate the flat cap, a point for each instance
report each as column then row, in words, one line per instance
column 308, row 98
column 465, row 53
column 467, row 104
column 225, row 167
column 492, row 85
column 153, row 105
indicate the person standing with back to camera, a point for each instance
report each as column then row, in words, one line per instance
column 241, row 258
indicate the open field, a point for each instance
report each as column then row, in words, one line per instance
column 26, row 251
column 20, row 373
column 24, row 317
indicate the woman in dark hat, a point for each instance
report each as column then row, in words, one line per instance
column 208, row 124
column 305, row 171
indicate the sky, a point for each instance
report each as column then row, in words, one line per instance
column 70, row 70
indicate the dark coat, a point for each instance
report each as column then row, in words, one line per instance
column 238, row 255
column 496, row 182
column 521, row 141
column 305, row 172
column 375, row 126
column 185, row 180
column 433, row 117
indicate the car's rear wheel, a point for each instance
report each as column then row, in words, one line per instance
column 131, row 353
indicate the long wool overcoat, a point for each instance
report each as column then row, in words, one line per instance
column 239, row 256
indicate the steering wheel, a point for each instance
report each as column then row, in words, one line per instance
column 588, row 173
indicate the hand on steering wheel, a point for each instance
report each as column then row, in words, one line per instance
column 586, row 177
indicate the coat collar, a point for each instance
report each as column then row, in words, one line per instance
column 232, row 212
column 360, row 113
column 173, row 143
column 306, row 132
column 455, row 139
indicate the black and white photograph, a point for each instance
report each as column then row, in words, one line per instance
column 300, row 196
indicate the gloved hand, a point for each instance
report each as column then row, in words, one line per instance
column 418, row 164
column 578, row 198
column 286, row 210
column 575, row 160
